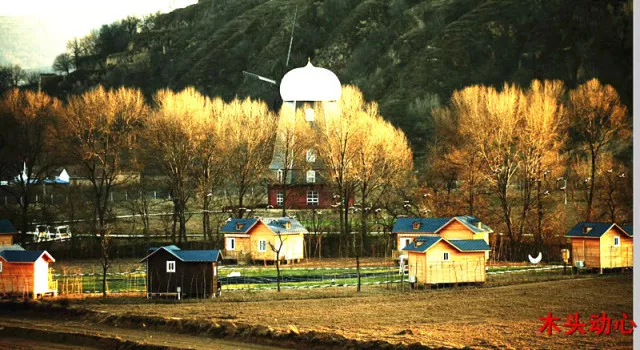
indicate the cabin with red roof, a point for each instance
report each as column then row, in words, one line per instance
column 602, row 245
column 26, row 273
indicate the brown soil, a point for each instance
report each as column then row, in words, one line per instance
column 497, row 317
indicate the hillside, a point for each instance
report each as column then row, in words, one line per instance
column 401, row 53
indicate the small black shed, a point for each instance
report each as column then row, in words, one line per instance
column 183, row 273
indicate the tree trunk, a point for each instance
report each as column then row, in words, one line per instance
column 592, row 185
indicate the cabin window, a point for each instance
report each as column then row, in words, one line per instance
column 416, row 225
column 312, row 198
column 262, row 245
column 239, row 226
column 231, row 244
column 311, row 156
column 405, row 243
column 279, row 175
column 0, row 266
column 311, row 176
column 171, row 266
column 445, row 256
column 280, row 198
column 616, row 241
column 287, row 225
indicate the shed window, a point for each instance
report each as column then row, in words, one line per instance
column 262, row 245
column 239, row 226
column 231, row 244
column 171, row 266
column 280, row 198
column 616, row 241
column 405, row 242
column 445, row 256
column 416, row 225
column 287, row 225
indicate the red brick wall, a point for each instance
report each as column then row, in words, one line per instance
column 297, row 196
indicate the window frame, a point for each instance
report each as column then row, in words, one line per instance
column 311, row 179
column 171, row 266
column 311, row 156
column 0, row 266
column 616, row 244
column 313, row 200
column 280, row 198
column 231, row 242
column 260, row 242
column 280, row 175
column 445, row 256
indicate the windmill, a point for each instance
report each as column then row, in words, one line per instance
column 274, row 82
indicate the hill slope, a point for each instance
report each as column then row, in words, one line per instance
column 401, row 53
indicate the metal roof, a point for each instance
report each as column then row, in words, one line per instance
column 231, row 225
column 431, row 225
column 6, row 227
column 24, row 256
column 277, row 225
column 470, row 245
column 11, row 247
column 170, row 247
column 595, row 229
column 422, row 243
column 211, row 255
column 427, row 225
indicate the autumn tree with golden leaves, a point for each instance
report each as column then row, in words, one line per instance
column 102, row 128
column 29, row 144
column 250, row 130
column 599, row 123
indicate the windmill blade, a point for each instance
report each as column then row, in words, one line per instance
column 293, row 27
column 260, row 77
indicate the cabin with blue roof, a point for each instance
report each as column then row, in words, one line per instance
column 8, row 232
column 254, row 239
column 457, row 227
column 602, row 245
column 433, row 260
column 26, row 273
column 182, row 273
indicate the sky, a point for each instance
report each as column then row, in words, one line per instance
column 33, row 32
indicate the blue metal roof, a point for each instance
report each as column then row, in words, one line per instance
column 430, row 225
column 23, row 256
column 277, row 225
column 427, row 225
column 6, row 227
column 211, row 255
column 231, row 225
column 170, row 247
column 470, row 245
column 594, row 229
column 422, row 243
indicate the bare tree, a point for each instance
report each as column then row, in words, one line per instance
column 63, row 63
column 276, row 248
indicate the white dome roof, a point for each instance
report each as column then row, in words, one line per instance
column 310, row 83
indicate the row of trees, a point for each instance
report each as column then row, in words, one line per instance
column 509, row 150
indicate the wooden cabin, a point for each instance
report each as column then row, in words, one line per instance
column 436, row 260
column 602, row 245
column 8, row 233
column 26, row 272
column 255, row 238
column 457, row 227
column 182, row 273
